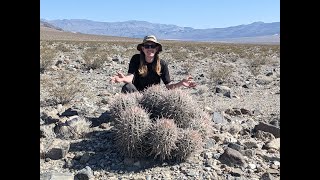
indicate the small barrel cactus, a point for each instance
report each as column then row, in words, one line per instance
column 189, row 142
column 202, row 124
column 164, row 134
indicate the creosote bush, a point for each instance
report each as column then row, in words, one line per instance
column 94, row 58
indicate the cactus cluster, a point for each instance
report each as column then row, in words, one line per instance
column 159, row 122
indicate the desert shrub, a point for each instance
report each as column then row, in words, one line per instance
column 94, row 59
column 62, row 47
column 46, row 58
column 63, row 88
column 188, row 65
column 73, row 129
column 79, row 127
column 219, row 73
column 131, row 128
column 179, row 55
column 255, row 64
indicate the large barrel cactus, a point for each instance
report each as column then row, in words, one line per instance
column 123, row 101
column 150, row 100
column 131, row 127
column 173, row 104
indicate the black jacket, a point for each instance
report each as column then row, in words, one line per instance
column 152, row 77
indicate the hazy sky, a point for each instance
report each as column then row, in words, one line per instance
column 185, row 13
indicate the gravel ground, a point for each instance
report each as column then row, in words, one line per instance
column 246, row 123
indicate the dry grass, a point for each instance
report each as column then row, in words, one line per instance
column 219, row 74
column 62, row 89
column 47, row 55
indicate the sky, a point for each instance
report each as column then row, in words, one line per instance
column 199, row 14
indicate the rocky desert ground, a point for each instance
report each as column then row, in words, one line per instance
column 238, row 85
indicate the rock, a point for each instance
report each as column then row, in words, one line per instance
column 273, row 144
column 268, row 128
column 232, row 157
column 235, row 146
column 218, row 118
column 267, row 176
column 58, row 149
column 56, row 176
column 84, row 174
column 226, row 91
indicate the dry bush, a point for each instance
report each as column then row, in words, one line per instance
column 73, row 129
column 255, row 64
column 94, row 58
column 62, row 47
column 188, row 65
column 179, row 55
column 46, row 58
column 62, row 89
column 219, row 73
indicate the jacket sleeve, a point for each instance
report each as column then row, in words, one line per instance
column 165, row 75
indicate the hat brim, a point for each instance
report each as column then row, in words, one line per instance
column 139, row 47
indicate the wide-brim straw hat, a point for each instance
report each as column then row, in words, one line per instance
column 150, row 38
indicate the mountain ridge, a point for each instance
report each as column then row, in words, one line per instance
column 138, row 29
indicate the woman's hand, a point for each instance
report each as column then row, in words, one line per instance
column 188, row 82
column 118, row 78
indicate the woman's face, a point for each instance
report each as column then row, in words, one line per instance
column 150, row 49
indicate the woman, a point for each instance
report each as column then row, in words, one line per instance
column 147, row 69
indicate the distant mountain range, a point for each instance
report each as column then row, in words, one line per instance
column 138, row 29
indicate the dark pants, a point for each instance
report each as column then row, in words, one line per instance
column 128, row 88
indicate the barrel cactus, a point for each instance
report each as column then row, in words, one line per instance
column 131, row 127
column 152, row 98
column 189, row 142
column 164, row 134
column 122, row 101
